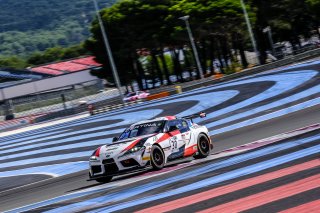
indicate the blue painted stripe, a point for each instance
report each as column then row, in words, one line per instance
column 113, row 197
column 216, row 179
column 269, row 116
column 52, row 170
column 295, row 80
column 54, row 200
column 11, row 141
column 126, row 119
column 282, row 85
column 287, row 100
column 46, row 159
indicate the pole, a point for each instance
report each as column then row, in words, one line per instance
column 271, row 40
column 109, row 53
column 194, row 48
column 253, row 40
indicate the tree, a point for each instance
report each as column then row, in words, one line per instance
column 131, row 25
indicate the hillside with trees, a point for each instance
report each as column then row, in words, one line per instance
column 27, row 26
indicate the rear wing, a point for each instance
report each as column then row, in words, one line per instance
column 199, row 115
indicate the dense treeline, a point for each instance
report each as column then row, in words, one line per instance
column 49, row 55
column 27, row 26
column 149, row 42
column 153, row 27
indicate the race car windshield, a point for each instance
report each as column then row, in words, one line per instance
column 142, row 129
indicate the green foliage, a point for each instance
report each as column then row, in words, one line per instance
column 50, row 55
column 56, row 54
column 12, row 62
column 27, row 26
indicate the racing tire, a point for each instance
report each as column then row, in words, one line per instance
column 203, row 146
column 157, row 158
column 106, row 179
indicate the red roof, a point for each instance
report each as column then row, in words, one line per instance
column 73, row 65
column 67, row 66
column 46, row 71
column 87, row 61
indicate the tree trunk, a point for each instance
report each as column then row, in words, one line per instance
column 141, row 74
column 165, row 67
column 203, row 56
column 219, row 55
column 156, row 65
column 135, row 71
column 241, row 50
column 176, row 63
column 211, row 54
column 224, row 46
column 187, row 63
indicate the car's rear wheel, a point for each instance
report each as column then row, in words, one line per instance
column 157, row 158
column 106, row 179
column 203, row 145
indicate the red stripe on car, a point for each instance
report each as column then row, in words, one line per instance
column 131, row 145
column 170, row 117
column 97, row 153
column 190, row 151
column 167, row 136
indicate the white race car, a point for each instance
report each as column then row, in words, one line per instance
column 150, row 143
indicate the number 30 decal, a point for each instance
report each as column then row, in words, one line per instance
column 174, row 143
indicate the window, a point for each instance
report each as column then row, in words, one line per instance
column 182, row 125
column 142, row 129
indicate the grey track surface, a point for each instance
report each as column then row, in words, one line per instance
column 65, row 184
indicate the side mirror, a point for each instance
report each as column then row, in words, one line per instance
column 114, row 139
column 173, row 128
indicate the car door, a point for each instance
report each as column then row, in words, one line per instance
column 177, row 141
column 185, row 132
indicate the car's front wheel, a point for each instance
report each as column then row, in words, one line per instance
column 203, row 145
column 157, row 158
column 106, row 179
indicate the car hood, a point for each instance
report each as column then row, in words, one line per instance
column 120, row 147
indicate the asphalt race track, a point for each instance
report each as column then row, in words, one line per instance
column 238, row 112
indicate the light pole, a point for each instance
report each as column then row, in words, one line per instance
column 109, row 53
column 268, row 30
column 253, row 40
column 194, row 48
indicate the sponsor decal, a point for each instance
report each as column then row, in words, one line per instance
column 112, row 148
column 146, row 158
column 154, row 124
column 155, row 138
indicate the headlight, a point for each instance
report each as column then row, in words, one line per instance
column 93, row 158
column 134, row 149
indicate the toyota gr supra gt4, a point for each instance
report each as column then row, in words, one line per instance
column 150, row 143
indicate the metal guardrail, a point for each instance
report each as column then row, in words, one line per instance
column 107, row 108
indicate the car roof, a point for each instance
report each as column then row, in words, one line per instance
column 165, row 118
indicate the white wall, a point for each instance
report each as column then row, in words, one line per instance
column 46, row 84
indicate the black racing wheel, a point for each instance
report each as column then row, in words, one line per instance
column 157, row 158
column 106, row 179
column 203, row 145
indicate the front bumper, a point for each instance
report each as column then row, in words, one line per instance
column 117, row 166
